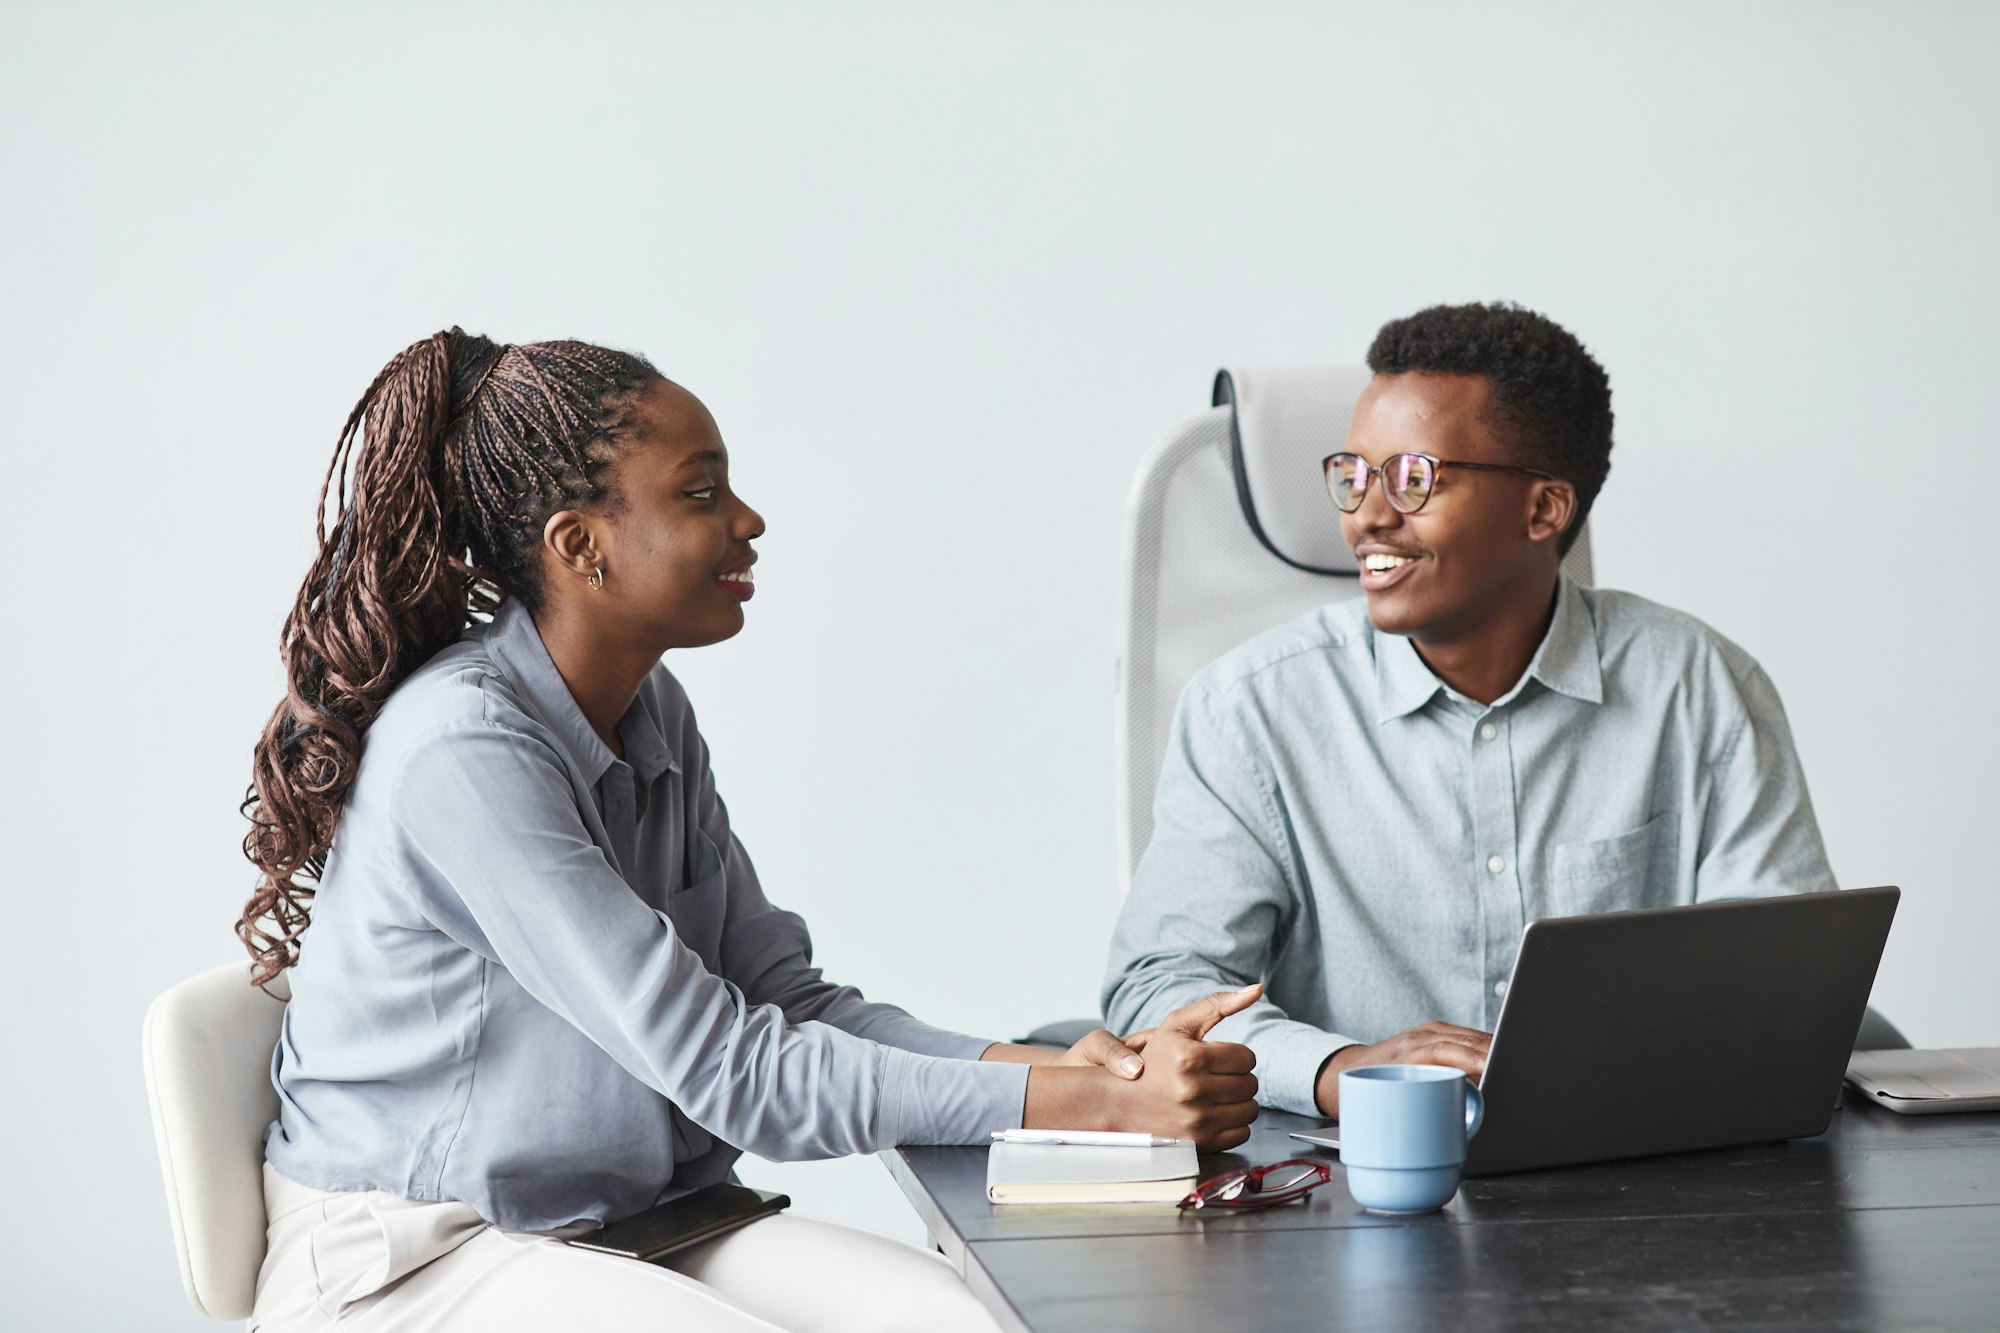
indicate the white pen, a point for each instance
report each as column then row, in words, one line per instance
column 1083, row 1138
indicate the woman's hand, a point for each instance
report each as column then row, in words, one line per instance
column 1189, row 1088
column 1098, row 1048
column 1101, row 1048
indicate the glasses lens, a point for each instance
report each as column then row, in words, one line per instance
column 1346, row 479
column 1409, row 478
column 1288, row 1176
column 1220, row 1192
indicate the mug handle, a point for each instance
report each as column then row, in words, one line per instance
column 1475, row 1108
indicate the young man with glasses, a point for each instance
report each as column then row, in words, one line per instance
column 1364, row 807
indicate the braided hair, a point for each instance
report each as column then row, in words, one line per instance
column 442, row 480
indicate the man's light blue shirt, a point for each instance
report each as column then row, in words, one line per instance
column 1334, row 821
column 545, row 981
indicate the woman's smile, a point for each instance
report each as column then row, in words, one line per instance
column 740, row 582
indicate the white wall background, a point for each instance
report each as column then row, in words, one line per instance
column 944, row 273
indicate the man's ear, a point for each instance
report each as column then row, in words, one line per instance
column 567, row 537
column 1554, row 510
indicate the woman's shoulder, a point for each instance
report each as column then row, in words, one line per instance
column 460, row 691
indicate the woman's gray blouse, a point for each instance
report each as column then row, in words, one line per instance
column 545, row 981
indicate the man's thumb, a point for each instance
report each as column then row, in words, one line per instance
column 1194, row 1020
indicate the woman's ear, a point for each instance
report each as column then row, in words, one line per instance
column 1554, row 510
column 568, row 538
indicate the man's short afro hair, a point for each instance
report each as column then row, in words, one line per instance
column 1549, row 400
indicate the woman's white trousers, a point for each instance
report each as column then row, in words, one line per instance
column 376, row 1263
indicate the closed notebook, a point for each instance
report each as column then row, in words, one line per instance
column 1070, row 1173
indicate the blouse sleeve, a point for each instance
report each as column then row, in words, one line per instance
column 499, row 859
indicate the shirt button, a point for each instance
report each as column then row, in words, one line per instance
column 1496, row 864
column 1487, row 731
column 1500, row 988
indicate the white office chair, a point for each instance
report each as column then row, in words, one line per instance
column 208, row 1044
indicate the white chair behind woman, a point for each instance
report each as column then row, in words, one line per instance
column 208, row 1044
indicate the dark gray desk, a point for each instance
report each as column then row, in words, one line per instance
column 1884, row 1221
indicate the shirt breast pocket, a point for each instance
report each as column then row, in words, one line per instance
column 1611, row 874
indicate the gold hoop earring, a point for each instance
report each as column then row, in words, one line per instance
column 596, row 579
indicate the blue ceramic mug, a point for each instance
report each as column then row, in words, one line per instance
column 1402, row 1134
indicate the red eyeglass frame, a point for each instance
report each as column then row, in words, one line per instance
column 1228, row 1190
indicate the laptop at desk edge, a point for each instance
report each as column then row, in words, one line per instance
column 1658, row 1030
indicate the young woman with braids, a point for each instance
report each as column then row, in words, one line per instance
column 542, row 985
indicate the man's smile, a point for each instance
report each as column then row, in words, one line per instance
column 1385, row 568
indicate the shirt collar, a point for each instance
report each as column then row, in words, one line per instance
column 1403, row 684
column 516, row 647
column 1567, row 662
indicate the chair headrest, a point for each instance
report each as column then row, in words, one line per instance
column 1283, row 421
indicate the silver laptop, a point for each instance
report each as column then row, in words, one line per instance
column 1667, row 1029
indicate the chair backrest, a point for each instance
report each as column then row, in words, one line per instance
column 1229, row 532
column 208, row 1044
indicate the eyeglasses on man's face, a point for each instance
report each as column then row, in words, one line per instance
column 1408, row 480
column 1260, row 1186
